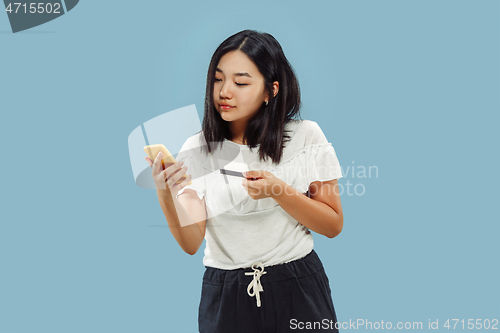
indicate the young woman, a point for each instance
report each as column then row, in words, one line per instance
column 262, row 274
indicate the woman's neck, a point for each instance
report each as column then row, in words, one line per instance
column 237, row 132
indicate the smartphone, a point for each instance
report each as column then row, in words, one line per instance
column 167, row 160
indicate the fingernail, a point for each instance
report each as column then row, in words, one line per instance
column 160, row 153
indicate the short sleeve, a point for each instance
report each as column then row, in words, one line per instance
column 314, row 134
column 321, row 160
column 191, row 156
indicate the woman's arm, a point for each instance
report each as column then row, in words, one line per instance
column 322, row 213
column 189, row 236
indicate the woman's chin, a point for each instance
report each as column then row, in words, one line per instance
column 227, row 117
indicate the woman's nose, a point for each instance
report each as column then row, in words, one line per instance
column 225, row 91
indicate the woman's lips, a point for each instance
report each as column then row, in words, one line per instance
column 226, row 107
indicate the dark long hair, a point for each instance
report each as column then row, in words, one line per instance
column 267, row 126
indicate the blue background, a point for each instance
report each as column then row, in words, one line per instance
column 411, row 87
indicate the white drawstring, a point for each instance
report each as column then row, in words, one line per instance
column 255, row 283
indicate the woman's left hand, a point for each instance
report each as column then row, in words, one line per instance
column 262, row 184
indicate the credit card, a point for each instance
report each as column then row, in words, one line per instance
column 234, row 173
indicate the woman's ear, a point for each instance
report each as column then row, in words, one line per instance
column 276, row 88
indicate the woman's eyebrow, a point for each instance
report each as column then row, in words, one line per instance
column 235, row 74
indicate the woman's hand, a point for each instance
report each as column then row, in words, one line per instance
column 171, row 176
column 262, row 184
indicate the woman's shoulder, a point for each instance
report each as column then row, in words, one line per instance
column 192, row 147
column 196, row 140
column 302, row 125
column 305, row 131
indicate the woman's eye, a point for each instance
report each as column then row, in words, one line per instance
column 238, row 84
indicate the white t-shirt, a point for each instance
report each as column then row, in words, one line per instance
column 241, row 230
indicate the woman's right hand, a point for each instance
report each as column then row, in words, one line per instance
column 170, row 177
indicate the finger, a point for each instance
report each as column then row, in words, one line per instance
column 150, row 162
column 254, row 174
column 182, row 183
column 172, row 168
column 183, row 178
column 177, row 176
column 167, row 173
column 249, row 184
column 253, row 177
column 157, row 167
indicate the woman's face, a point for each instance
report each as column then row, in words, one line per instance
column 239, row 85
